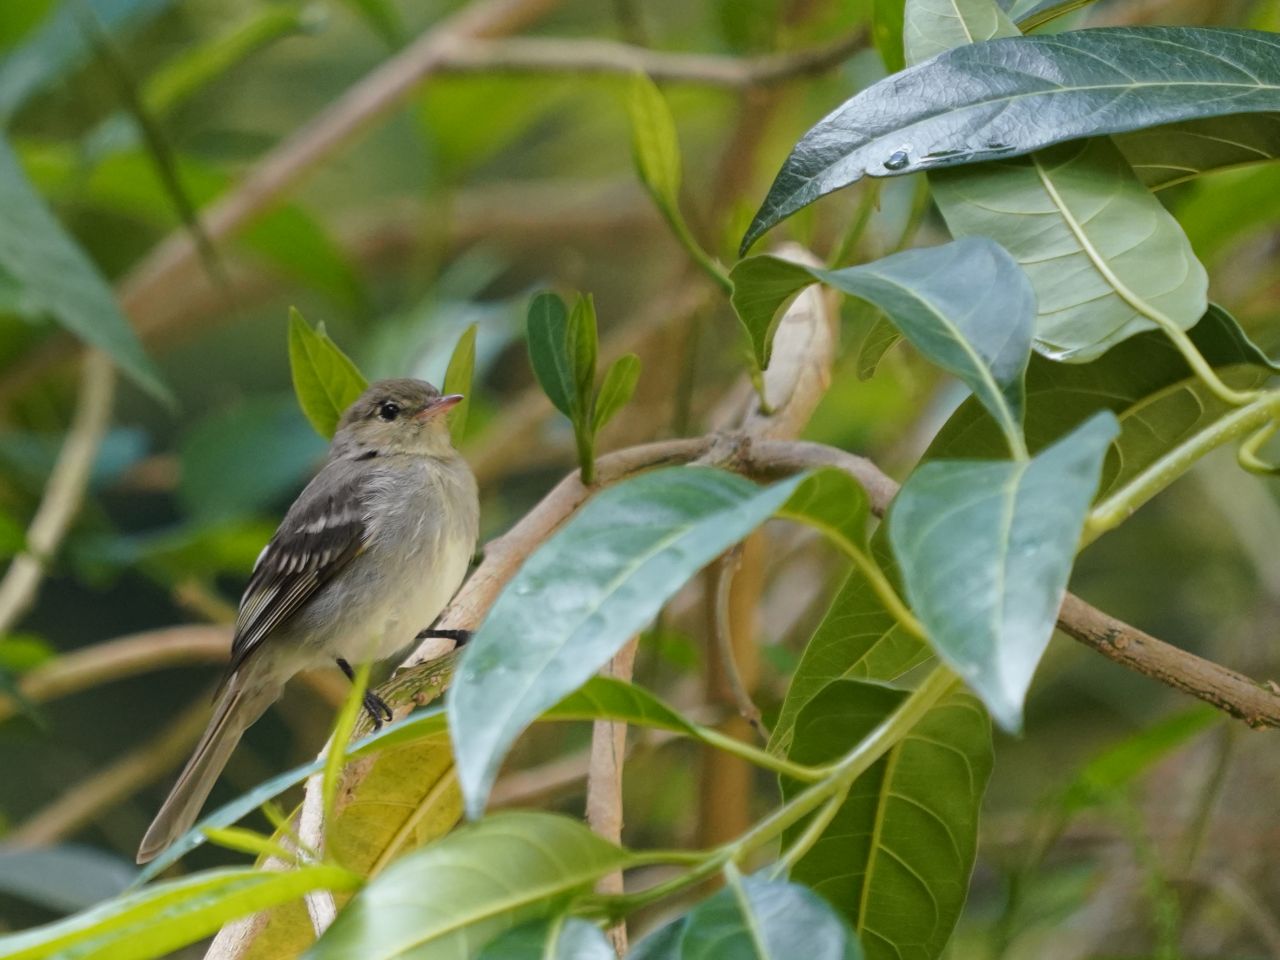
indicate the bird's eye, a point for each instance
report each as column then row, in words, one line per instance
column 388, row 411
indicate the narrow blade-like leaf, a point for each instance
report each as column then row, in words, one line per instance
column 457, row 379
column 325, row 379
column 582, row 594
column 56, row 278
column 616, row 389
column 547, row 331
column 985, row 549
column 158, row 920
column 653, row 143
column 583, row 343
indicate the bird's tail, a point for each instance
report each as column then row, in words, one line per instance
column 235, row 710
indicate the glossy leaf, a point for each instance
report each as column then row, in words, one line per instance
column 616, row 389
column 324, row 378
column 965, row 305
column 591, row 586
column 858, row 639
column 1166, row 156
column 1144, row 381
column 452, row 897
column 654, row 146
column 896, row 860
column 661, row 944
column 458, row 377
column 548, row 334
column 754, row 918
column 564, row 938
column 1101, row 252
column 58, row 280
column 985, row 549
column 1011, row 96
column 159, row 919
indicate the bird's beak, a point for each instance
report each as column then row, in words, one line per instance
column 436, row 407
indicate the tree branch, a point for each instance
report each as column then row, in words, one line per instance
column 65, row 489
column 555, row 55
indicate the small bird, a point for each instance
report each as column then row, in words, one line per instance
column 367, row 556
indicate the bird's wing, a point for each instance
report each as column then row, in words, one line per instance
column 323, row 531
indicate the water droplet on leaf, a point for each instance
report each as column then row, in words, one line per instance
column 897, row 160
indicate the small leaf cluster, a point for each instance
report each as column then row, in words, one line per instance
column 563, row 345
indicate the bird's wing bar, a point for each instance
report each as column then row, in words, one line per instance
column 319, row 536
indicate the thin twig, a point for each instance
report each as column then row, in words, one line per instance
column 64, row 491
column 604, row 784
column 172, row 269
column 556, row 55
column 723, row 635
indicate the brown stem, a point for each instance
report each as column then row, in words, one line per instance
column 64, row 491
column 604, row 784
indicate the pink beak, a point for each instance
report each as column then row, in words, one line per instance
column 436, row 407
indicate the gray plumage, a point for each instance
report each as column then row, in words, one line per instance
column 368, row 555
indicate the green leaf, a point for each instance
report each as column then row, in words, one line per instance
column 383, row 18
column 1144, row 381
column 1166, row 156
column 896, row 860
column 985, row 549
column 58, row 279
column 755, row 918
column 458, row 377
column 565, row 938
column 878, row 340
column 548, row 334
column 450, row 898
column 833, row 502
column 418, row 728
column 858, row 639
column 1231, row 210
column 595, row 583
column 1012, row 96
column 607, row 698
column 324, row 378
column 583, row 345
column 19, row 19
column 965, row 305
column 59, row 45
column 887, row 18
column 661, row 944
column 616, row 389
column 935, row 26
column 125, row 183
column 204, row 61
column 1100, row 250
column 1032, row 14
column 1122, row 763
column 654, row 145
column 159, row 919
